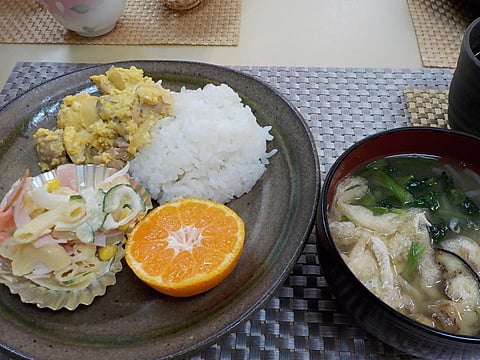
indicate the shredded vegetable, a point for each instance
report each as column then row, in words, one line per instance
column 63, row 237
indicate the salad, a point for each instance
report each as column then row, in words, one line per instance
column 64, row 230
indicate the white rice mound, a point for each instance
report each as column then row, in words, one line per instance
column 212, row 148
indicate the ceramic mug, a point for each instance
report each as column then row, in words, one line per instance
column 464, row 92
column 86, row 17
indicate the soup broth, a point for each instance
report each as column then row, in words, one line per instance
column 409, row 228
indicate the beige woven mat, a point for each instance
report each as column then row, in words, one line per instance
column 439, row 26
column 427, row 107
column 145, row 22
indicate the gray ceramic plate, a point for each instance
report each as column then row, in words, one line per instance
column 133, row 321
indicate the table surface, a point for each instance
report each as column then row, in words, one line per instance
column 272, row 32
column 346, row 77
column 340, row 105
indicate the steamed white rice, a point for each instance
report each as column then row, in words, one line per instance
column 212, row 147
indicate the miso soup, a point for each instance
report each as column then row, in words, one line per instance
column 408, row 227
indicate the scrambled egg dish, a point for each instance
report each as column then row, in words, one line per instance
column 106, row 129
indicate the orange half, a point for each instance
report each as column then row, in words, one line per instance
column 186, row 247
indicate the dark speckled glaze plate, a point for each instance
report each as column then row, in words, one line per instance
column 133, row 321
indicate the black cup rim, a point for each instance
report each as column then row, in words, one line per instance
column 466, row 44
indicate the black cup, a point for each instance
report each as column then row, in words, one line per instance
column 464, row 93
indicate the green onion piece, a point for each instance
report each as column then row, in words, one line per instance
column 416, row 250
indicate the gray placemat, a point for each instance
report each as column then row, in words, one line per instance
column 341, row 105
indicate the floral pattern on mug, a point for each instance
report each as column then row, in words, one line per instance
column 72, row 9
column 86, row 16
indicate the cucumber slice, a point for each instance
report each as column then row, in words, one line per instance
column 94, row 206
column 122, row 204
column 75, row 197
column 85, row 232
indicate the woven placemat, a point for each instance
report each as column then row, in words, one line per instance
column 144, row 22
column 439, row 26
column 427, row 107
column 302, row 320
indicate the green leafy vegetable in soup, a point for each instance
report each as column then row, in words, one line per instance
column 394, row 185
column 400, row 223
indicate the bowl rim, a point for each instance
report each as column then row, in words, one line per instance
column 323, row 222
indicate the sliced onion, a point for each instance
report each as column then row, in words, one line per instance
column 121, row 172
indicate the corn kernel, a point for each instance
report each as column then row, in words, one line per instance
column 124, row 227
column 107, row 252
column 123, row 214
column 53, row 185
